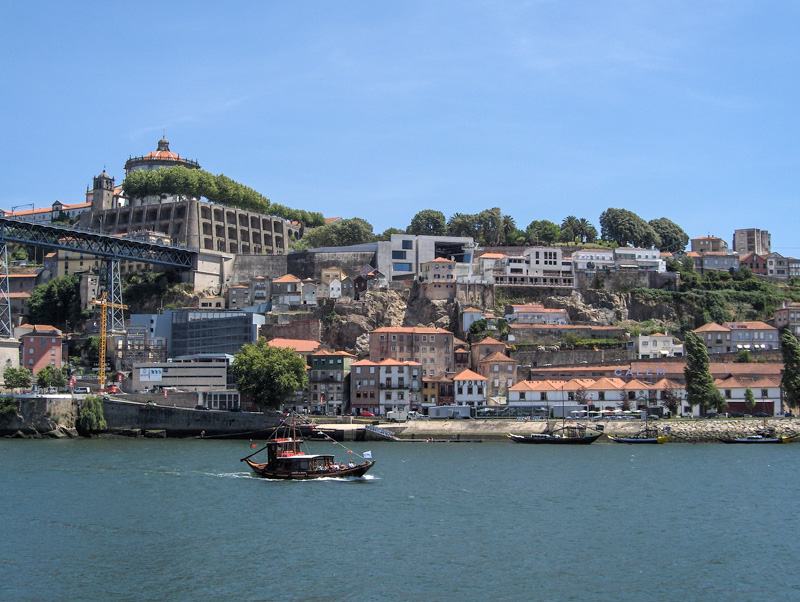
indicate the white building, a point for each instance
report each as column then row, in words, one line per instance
column 399, row 384
column 657, row 345
column 469, row 389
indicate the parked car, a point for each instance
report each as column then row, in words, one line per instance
column 113, row 389
column 737, row 415
column 762, row 415
column 367, row 413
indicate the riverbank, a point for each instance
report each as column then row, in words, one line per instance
column 682, row 431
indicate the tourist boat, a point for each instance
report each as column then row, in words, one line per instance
column 566, row 435
column 287, row 461
column 789, row 438
column 648, row 434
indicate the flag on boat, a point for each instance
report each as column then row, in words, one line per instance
column 367, row 455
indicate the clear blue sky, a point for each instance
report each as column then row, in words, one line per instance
column 685, row 110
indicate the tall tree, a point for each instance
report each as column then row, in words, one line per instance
column 542, row 232
column 570, row 227
column 463, row 224
column 50, row 376
column 700, row 388
column 749, row 399
column 268, row 375
column 56, row 302
column 585, row 230
column 509, row 228
column 17, row 378
column 673, row 238
column 490, row 226
column 626, row 228
column 428, row 222
column 790, row 380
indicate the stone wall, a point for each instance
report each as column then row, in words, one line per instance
column 528, row 356
column 309, row 264
column 625, row 280
column 309, row 330
column 123, row 417
column 247, row 267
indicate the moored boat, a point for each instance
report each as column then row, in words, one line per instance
column 287, row 461
column 752, row 439
column 567, row 435
column 648, row 435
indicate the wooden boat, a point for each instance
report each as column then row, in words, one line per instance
column 648, row 435
column 287, row 461
column 752, row 439
column 567, row 435
column 789, row 438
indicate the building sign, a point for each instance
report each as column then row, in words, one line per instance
column 637, row 373
column 150, row 374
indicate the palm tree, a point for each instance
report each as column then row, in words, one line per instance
column 508, row 226
column 571, row 222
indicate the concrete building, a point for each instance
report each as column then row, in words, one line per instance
column 42, row 346
column 329, row 380
column 191, row 222
column 400, row 386
column 756, row 263
column 752, row 240
column 201, row 372
column 709, row 244
column 777, row 266
column 403, row 255
column 431, row 347
column 470, row 389
column 535, row 314
column 657, row 345
column 364, row 389
column 731, row 337
column 788, row 316
column 500, row 372
column 714, row 261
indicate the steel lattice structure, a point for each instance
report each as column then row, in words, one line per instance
column 111, row 248
column 94, row 243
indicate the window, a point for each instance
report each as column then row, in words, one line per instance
column 764, row 393
column 398, row 254
column 408, row 244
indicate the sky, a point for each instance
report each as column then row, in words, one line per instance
column 379, row 110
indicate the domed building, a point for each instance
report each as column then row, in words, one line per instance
column 196, row 223
column 161, row 157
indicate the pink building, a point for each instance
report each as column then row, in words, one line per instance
column 41, row 346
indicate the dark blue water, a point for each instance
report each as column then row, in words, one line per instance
column 168, row 519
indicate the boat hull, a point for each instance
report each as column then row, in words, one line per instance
column 554, row 440
column 754, row 441
column 267, row 472
column 644, row 440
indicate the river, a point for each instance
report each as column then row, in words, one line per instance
column 184, row 519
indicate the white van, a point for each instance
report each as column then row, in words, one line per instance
column 82, row 390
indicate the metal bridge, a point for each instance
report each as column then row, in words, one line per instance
column 112, row 249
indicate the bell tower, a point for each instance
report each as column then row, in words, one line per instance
column 103, row 192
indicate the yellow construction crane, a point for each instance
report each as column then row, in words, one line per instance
column 105, row 304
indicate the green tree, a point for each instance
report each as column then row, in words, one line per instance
column 463, row 224
column 341, row 233
column 626, row 228
column 90, row 416
column 509, row 230
column 585, row 231
column 700, row 388
column 428, row 222
column 517, row 238
column 489, row 223
column 542, row 232
column 50, row 376
column 17, row 378
column 477, row 327
column 744, row 356
column 196, row 183
column 673, row 238
column 749, row 399
column 268, row 375
column 570, row 228
column 56, row 302
column 387, row 234
column 790, row 380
